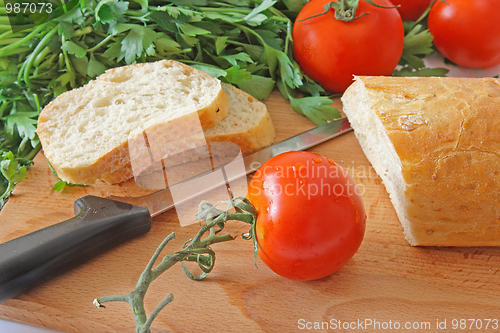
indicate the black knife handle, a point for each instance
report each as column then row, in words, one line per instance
column 99, row 225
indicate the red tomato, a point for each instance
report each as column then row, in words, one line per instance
column 311, row 218
column 331, row 51
column 467, row 32
column 411, row 10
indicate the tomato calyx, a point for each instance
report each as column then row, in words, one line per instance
column 345, row 10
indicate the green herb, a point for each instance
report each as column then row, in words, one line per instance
column 406, row 71
column 13, row 170
column 61, row 184
column 19, row 143
column 417, row 44
column 196, row 250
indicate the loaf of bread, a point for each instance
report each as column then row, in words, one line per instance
column 435, row 143
column 247, row 125
column 85, row 132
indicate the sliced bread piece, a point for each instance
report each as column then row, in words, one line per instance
column 85, row 132
column 247, row 124
column 435, row 142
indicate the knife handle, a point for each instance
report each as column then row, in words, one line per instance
column 99, row 225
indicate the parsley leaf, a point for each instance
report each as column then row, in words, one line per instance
column 12, row 171
column 318, row 109
column 108, row 11
column 10, row 168
column 256, row 17
column 166, row 21
column 95, row 68
column 258, row 86
column 312, row 88
column 270, row 38
column 114, row 50
column 220, row 44
column 166, row 44
column 212, row 70
column 289, row 73
column 233, row 58
column 73, row 48
column 66, row 29
column 191, row 30
column 138, row 39
column 236, row 75
column 61, row 184
column 228, row 18
column 405, row 71
column 417, row 43
column 25, row 124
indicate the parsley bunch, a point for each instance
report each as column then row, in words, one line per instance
column 19, row 110
column 417, row 44
column 246, row 43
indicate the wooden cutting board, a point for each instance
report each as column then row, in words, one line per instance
column 388, row 283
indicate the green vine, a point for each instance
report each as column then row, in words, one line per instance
column 196, row 250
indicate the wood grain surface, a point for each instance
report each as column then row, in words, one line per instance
column 388, row 283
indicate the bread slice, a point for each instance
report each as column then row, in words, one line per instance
column 85, row 132
column 247, row 125
column 435, row 142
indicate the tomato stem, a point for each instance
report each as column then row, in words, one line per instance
column 345, row 10
column 428, row 10
column 196, row 250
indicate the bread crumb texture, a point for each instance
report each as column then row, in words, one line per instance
column 247, row 128
column 446, row 134
column 85, row 132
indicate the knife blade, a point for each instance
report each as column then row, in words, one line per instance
column 102, row 223
column 160, row 201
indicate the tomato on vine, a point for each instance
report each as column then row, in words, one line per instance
column 310, row 215
column 467, row 32
column 335, row 40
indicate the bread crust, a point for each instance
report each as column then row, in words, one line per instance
column 114, row 166
column 254, row 138
column 445, row 132
column 250, row 141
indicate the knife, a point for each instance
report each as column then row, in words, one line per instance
column 102, row 223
